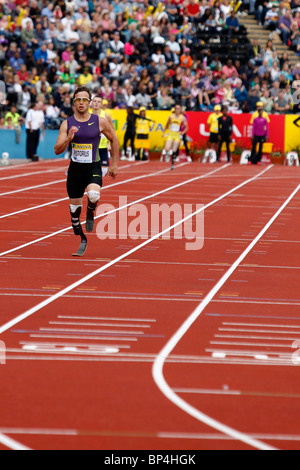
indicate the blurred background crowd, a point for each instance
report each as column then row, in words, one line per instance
column 144, row 53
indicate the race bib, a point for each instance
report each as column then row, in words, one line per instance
column 175, row 128
column 82, row 153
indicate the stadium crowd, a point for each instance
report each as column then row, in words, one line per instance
column 141, row 53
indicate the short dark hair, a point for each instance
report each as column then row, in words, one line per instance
column 82, row 88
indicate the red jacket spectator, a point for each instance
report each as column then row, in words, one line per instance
column 193, row 9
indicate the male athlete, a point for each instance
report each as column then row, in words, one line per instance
column 104, row 145
column 82, row 132
column 177, row 126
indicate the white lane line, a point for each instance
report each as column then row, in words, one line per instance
column 264, row 325
column 159, row 434
column 85, row 323
column 11, row 443
column 71, row 317
column 177, row 337
column 87, row 331
column 96, row 338
column 170, row 188
column 75, row 345
column 31, row 164
column 73, row 286
column 271, row 338
column 250, row 330
column 105, row 187
column 65, row 198
column 254, row 344
column 28, row 188
column 5, row 178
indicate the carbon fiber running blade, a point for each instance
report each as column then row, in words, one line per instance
column 82, row 248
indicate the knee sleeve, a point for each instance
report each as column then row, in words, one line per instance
column 93, row 196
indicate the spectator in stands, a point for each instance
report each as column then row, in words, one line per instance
column 186, row 61
column 232, row 24
column 255, row 53
column 251, row 100
column 240, row 93
column 142, row 98
column 184, row 96
column 271, row 18
column 229, row 70
column 165, row 100
column 52, row 115
column 267, row 100
column 281, row 105
column 66, row 107
column 117, row 46
column 85, row 77
column 285, row 26
column 193, row 11
column 40, row 55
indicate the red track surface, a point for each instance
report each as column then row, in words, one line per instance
column 117, row 361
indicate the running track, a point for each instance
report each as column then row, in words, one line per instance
column 142, row 344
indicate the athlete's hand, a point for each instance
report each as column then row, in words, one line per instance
column 113, row 171
column 72, row 132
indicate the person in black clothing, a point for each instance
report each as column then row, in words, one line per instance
column 225, row 131
column 130, row 130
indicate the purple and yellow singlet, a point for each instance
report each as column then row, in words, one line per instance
column 85, row 144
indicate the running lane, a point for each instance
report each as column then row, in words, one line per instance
column 80, row 368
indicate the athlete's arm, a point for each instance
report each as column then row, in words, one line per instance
column 109, row 132
column 109, row 119
column 64, row 138
column 186, row 126
column 167, row 126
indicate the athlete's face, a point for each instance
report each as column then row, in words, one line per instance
column 177, row 110
column 82, row 102
column 96, row 105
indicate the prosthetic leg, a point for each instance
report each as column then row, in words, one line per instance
column 93, row 198
column 75, row 217
column 173, row 158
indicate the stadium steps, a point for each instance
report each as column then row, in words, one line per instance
column 258, row 32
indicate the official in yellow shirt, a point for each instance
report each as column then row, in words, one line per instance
column 213, row 124
column 143, row 129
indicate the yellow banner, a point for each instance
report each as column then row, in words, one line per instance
column 292, row 133
column 160, row 118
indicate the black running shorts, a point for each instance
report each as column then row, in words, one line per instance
column 80, row 175
column 214, row 138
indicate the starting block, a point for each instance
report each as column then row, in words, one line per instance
column 210, row 156
column 5, row 158
column 184, row 159
column 292, row 159
column 245, row 157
